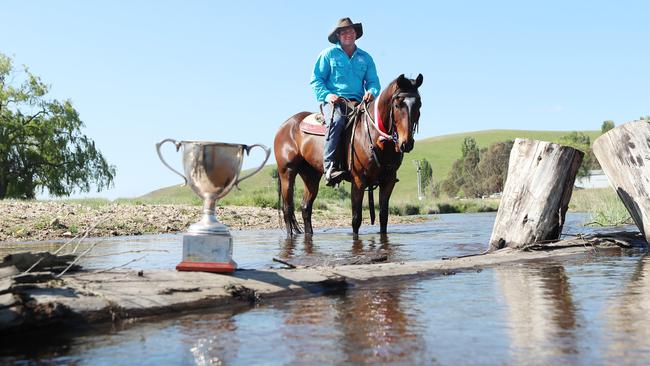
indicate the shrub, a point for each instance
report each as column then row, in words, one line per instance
column 261, row 200
column 410, row 209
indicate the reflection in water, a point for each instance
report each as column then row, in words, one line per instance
column 288, row 245
column 540, row 313
column 373, row 245
column 207, row 347
column 310, row 332
column 357, row 246
column 376, row 329
column 628, row 320
column 301, row 250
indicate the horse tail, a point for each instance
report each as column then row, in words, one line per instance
column 292, row 226
column 280, row 203
column 371, row 206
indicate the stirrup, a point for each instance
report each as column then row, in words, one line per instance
column 335, row 177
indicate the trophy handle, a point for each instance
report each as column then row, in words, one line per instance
column 248, row 150
column 178, row 146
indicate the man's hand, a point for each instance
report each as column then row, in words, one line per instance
column 332, row 98
column 368, row 97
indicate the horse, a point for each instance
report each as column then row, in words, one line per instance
column 373, row 155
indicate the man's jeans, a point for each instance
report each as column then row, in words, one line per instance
column 334, row 131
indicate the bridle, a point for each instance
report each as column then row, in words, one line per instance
column 413, row 98
column 391, row 134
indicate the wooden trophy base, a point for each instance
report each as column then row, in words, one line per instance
column 214, row 267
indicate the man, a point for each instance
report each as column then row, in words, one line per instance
column 342, row 72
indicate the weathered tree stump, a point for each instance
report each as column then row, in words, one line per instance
column 624, row 155
column 536, row 194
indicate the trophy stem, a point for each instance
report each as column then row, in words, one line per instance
column 208, row 208
column 209, row 223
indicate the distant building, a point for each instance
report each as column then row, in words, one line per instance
column 595, row 179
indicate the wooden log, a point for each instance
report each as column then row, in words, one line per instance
column 624, row 155
column 536, row 194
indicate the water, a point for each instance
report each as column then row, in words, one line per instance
column 442, row 236
column 589, row 311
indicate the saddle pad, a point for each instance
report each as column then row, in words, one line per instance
column 313, row 124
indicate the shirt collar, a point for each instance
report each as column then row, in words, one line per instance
column 356, row 50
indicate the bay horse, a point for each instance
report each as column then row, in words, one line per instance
column 373, row 156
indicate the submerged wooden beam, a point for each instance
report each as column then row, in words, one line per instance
column 536, row 194
column 624, row 155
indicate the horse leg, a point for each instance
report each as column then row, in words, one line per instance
column 311, row 177
column 385, row 190
column 357, row 206
column 287, row 180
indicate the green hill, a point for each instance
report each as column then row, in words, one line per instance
column 440, row 151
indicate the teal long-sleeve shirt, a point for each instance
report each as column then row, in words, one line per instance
column 349, row 77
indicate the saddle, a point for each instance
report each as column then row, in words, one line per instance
column 315, row 124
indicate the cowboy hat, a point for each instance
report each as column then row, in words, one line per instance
column 344, row 23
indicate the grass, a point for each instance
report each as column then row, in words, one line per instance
column 603, row 204
column 440, row 151
column 443, row 206
column 88, row 202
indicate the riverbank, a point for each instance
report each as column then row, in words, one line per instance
column 50, row 220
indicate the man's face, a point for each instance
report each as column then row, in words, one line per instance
column 347, row 36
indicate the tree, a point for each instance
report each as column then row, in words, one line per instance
column 606, row 126
column 479, row 172
column 41, row 143
column 582, row 142
column 426, row 173
column 469, row 146
column 493, row 167
column 464, row 173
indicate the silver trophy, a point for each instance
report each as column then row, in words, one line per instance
column 212, row 170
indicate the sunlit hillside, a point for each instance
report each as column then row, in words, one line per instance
column 440, row 151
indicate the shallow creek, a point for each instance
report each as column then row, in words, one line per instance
column 588, row 311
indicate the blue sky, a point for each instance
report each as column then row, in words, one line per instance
column 142, row 71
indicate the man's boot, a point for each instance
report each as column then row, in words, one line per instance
column 333, row 174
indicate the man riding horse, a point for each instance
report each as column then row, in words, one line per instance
column 376, row 141
column 343, row 76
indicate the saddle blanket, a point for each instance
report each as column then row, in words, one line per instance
column 314, row 124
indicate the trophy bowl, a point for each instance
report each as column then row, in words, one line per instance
column 211, row 169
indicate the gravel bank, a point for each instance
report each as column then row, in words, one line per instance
column 39, row 220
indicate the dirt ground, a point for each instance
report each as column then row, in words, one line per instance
column 36, row 220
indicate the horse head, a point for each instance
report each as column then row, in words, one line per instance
column 404, row 111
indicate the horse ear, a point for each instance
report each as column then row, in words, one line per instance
column 418, row 80
column 402, row 82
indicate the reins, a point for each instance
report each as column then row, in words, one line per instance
column 382, row 134
column 391, row 136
